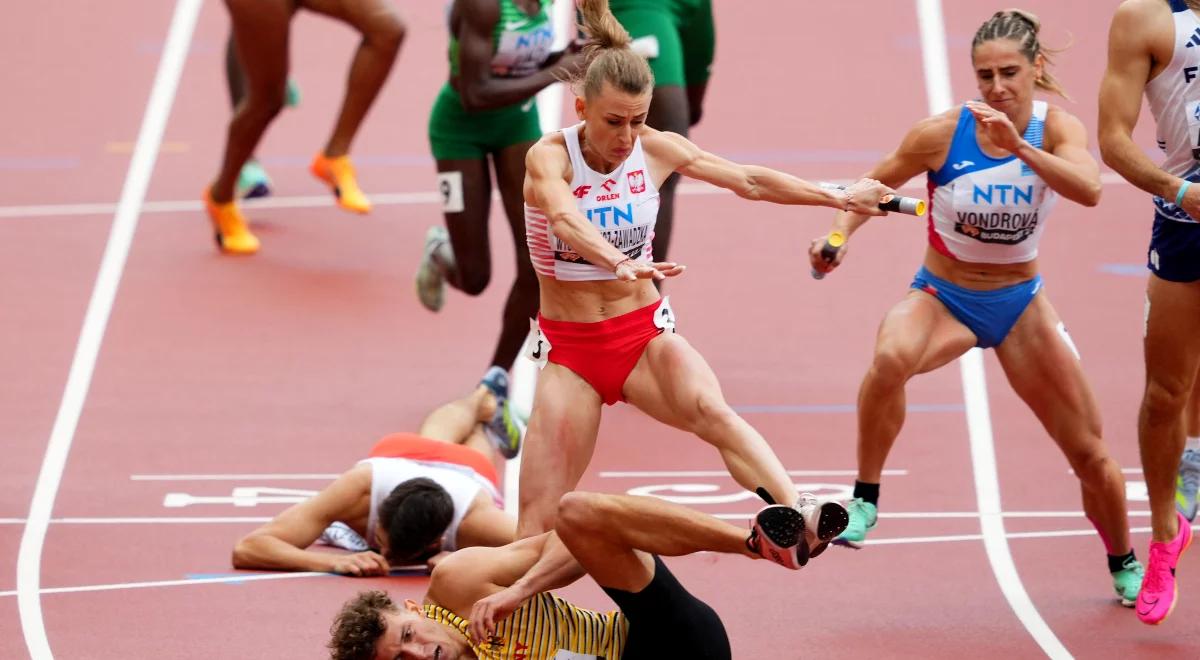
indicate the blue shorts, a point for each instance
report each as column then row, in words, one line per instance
column 988, row 314
column 1174, row 253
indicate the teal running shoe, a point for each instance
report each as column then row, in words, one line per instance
column 1186, row 484
column 863, row 516
column 505, row 429
column 253, row 181
column 291, row 97
column 1127, row 582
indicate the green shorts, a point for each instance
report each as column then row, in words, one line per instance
column 455, row 134
column 684, row 31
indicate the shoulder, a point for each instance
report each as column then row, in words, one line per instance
column 1059, row 120
column 1139, row 21
column 667, row 147
column 547, row 153
column 479, row 14
column 932, row 134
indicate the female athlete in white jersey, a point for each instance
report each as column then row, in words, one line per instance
column 591, row 193
column 995, row 166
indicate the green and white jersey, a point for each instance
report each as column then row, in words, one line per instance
column 520, row 42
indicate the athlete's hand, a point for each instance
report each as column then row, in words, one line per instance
column 863, row 197
column 630, row 270
column 996, row 125
column 487, row 612
column 818, row 261
column 360, row 564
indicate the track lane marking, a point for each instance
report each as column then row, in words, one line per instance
column 112, row 264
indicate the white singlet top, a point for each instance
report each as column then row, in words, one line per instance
column 387, row 473
column 622, row 204
column 988, row 210
column 1174, row 99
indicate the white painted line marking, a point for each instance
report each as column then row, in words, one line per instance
column 158, row 108
column 725, row 473
column 314, row 476
column 121, row 586
column 147, row 520
column 979, row 424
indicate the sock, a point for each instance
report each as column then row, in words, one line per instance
column 1117, row 562
column 868, row 492
column 1193, row 443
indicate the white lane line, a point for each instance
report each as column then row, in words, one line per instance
column 725, row 473
column 268, row 476
column 322, row 201
column 121, row 586
column 223, row 520
column 259, row 577
column 979, row 424
column 158, row 108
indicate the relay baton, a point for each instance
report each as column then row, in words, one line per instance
column 907, row 205
column 829, row 251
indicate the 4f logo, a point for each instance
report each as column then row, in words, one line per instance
column 582, row 191
column 637, row 182
column 607, row 185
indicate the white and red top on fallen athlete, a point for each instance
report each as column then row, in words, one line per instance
column 622, row 205
column 984, row 209
column 1174, row 99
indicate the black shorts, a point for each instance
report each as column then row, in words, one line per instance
column 1174, row 253
column 665, row 621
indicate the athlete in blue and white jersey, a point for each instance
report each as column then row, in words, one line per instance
column 995, row 167
column 1154, row 47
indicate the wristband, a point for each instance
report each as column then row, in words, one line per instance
column 618, row 264
column 1182, row 191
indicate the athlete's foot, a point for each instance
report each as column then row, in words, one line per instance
column 253, row 181
column 1187, row 482
column 863, row 516
column 338, row 173
column 824, row 520
column 230, row 227
column 505, row 430
column 776, row 534
column 1159, row 590
column 436, row 260
column 1127, row 582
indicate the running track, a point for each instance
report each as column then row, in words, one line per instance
column 293, row 362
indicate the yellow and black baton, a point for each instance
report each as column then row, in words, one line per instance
column 829, row 251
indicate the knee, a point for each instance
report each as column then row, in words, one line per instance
column 1094, row 467
column 1164, row 400
column 473, row 281
column 580, row 513
column 267, row 103
column 713, row 414
column 890, row 367
column 386, row 32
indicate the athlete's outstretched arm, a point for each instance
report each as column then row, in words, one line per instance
column 281, row 543
column 546, row 166
column 760, row 183
column 1130, row 61
column 923, row 148
column 477, row 87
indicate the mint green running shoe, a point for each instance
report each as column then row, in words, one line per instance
column 1127, row 582
column 1187, row 482
column 253, row 181
column 291, row 97
column 863, row 516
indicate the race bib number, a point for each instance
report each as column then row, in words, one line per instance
column 664, row 318
column 1193, row 124
column 1000, row 210
column 571, row 655
column 537, row 347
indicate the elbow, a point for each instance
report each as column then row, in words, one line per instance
column 242, row 556
column 1108, row 149
column 1091, row 196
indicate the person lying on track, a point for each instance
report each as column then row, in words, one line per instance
column 416, row 497
column 618, row 540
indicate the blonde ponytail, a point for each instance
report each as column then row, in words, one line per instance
column 609, row 57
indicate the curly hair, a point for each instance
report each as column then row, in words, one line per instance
column 359, row 625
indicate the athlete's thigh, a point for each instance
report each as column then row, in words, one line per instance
column 1042, row 365
column 558, row 444
column 1172, row 343
column 260, row 33
column 358, row 13
column 922, row 334
column 669, row 381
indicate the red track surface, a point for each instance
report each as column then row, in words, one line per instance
column 296, row 360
